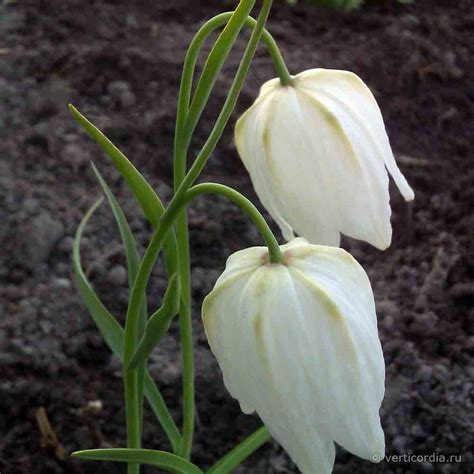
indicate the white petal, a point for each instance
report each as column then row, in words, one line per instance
column 359, row 180
column 298, row 343
column 250, row 140
column 271, row 154
column 318, row 155
column 331, row 186
column 345, row 333
column 307, row 201
column 354, row 94
column 256, row 344
column 294, row 244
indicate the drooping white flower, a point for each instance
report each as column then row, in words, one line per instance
column 317, row 152
column 297, row 342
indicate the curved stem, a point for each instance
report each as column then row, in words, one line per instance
column 230, row 102
column 274, row 252
column 168, row 219
column 213, row 64
column 192, row 57
column 183, row 181
column 212, row 67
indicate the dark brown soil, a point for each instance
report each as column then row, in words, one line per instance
column 120, row 63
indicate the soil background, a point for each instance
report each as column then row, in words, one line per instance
column 119, row 63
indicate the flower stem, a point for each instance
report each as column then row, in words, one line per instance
column 192, row 56
column 229, row 104
column 214, row 63
column 167, row 221
column 183, row 181
column 177, row 205
column 274, row 252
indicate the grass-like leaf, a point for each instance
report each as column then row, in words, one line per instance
column 242, row 451
column 158, row 323
column 133, row 380
column 113, row 334
column 147, row 199
column 130, row 247
column 108, row 326
column 149, row 202
column 168, row 462
column 153, row 209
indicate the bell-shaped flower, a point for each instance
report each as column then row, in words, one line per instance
column 297, row 342
column 318, row 153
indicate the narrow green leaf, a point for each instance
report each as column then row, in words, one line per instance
column 148, row 200
column 130, row 247
column 108, row 326
column 158, row 405
column 161, row 459
column 153, row 209
column 158, row 323
column 113, row 333
column 242, row 451
column 133, row 380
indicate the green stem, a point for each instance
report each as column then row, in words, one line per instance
column 211, row 69
column 242, row 451
column 186, row 332
column 213, row 65
column 167, row 221
column 192, row 57
column 229, row 104
column 183, row 181
column 274, row 252
column 158, row 323
column 133, row 398
column 166, row 224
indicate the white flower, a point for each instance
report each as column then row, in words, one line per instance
column 316, row 152
column 297, row 342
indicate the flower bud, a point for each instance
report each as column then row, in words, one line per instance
column 297, row 342
column 317, row 152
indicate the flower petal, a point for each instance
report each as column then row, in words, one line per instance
column 348, row 347
column 255, row 342
column 249, row 139
column 298, row 344
column 347, row 88
column 318, row 154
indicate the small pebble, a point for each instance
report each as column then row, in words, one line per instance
column 31, row 205
column 61, row 283
column 117, row 275
column 127, row 99
column 75, row 155
column 66, row 244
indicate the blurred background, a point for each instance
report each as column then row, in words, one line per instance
column 120, row 62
